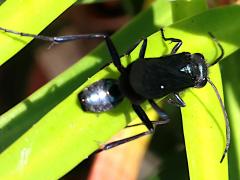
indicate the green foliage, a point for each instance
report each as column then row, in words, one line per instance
column 51, row 134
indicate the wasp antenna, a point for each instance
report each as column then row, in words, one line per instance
column 225, row 117
column 220, row 47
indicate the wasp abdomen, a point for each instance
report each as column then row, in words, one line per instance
column 100, row 96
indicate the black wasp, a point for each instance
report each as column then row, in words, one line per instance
column 149, row 79
column 144, row 79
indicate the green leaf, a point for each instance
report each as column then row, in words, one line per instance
column 183, row 9
column 231, row 74
column 204, row 130
column 197, row 131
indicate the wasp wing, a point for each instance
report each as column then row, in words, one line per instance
column 156, row 77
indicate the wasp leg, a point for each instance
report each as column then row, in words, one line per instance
column 178, row 41
column 143, row 49
column 111, row 47
column 159, row 110
column 155, row 123
column 143, row 116
column 128, row 52
column 122, row 141
column 176, row 101
column 61, row 39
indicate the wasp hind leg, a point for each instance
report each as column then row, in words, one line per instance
column 149, row 124
column 176, row 100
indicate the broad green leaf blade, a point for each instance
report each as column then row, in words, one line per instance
column 201, row 140
column 231, row 74
column 204, row 131
column 213, row 127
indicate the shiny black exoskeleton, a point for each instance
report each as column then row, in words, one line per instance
column 101, row 96
column 144, row 79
